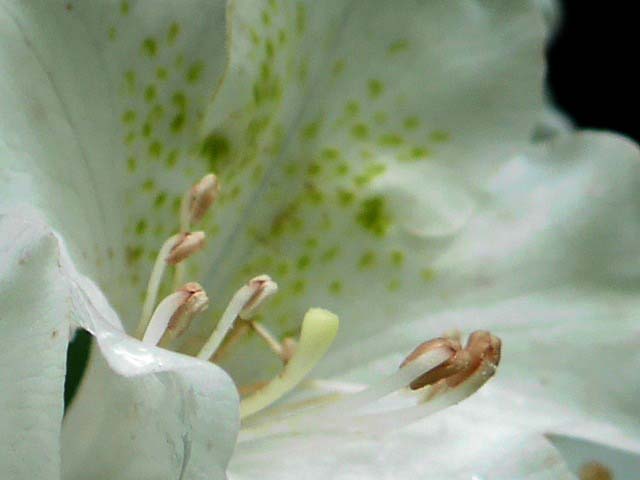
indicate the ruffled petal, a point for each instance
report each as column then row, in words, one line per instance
column 179, row 411
column 34, row 308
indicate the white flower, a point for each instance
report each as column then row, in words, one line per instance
column 375, row 159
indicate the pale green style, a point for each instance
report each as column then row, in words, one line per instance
column 376, row 159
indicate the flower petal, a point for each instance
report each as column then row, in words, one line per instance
column 34, row 307
column 379, row 123
column 457, row 447
column 100, row 112
column 551, row 266
column 176, row 410
column 180, row 411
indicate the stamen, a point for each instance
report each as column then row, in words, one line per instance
column 186, row 245
column 266, row 289
column 176, row 248
column 198, row 200
column 244, row 302
column 484, row 351
column 449, row 373
column 319, row 329
column 197, row 303
column 189, row 300
column 426, row 357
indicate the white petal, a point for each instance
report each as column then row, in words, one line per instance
column 34, row 307
column 99, row 119
column 148, row 402
column 351, row 140
column 551, row 266
column 460, row 446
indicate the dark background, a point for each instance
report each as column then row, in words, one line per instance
column 594, row 64
column 591, row 74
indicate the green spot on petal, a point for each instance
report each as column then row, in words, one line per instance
column 367, row 260
column 329, row 254
column 335, row 287
column 310, row 131
column 155, row 149
column 390, row 140
column 394, row 285
column 177, row 123
column 150, row 47
column 440, row 136
column 179, row 99
column 397, row 258
column 360, row 131
column 172, row 158
column 427, row 274
column 398, row 46
column 131, row 164
column 150, row 93
column 372, row 215
column 124, row 7
column 141, row 227
column 370, row 173
column 161, row 200
column 345, row 197
column 161, row 73
column 375, row 88
column 129, row 116
column 174, row 32
column 411, row 123
column 352, row 107
column 215, row 148
column 194, row 72
column 303, row 262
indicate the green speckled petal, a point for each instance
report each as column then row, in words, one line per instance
column 101, row 102
column 550, row 265
column 353, row 140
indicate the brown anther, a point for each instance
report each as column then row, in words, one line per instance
column 263, row 287
column 447, row 368
column 196, row 303
column 484, row 351
column 480, row 355
column 202, row 195
column 186, row 245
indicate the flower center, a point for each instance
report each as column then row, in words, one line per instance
column 437, row 374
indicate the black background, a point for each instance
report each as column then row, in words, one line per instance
column 594, row 64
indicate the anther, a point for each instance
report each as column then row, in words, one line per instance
column 185, row 245
column 195, row 304
column 175, row 249
column 264, row 288
column 319, row 329
column 174, row 309
column 244, row 302
column 202, row 195
column 197, row 201
column 483, row 356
